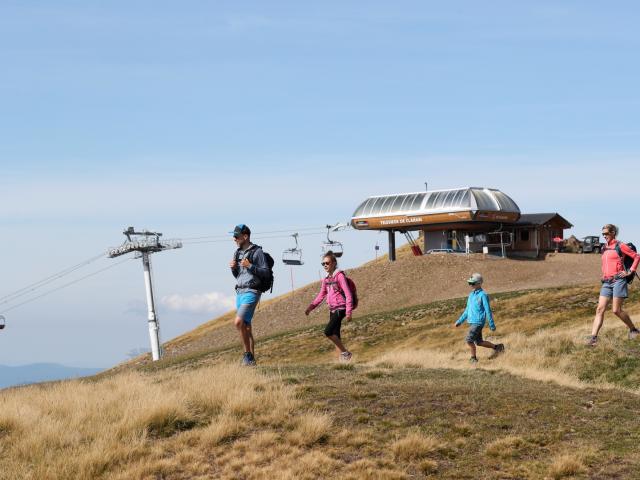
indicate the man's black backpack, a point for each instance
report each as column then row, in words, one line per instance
column 626, row 260
column 265, row 284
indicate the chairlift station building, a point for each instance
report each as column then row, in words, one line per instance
column 457, row 219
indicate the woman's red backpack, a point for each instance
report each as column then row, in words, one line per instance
column 353, row 289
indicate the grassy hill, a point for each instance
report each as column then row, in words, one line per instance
column 408, row 406
column 384, row 286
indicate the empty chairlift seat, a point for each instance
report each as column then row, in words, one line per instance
column 293, row 256
column 332, row 245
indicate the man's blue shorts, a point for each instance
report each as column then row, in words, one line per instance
column 246, row 304
column 616, row 287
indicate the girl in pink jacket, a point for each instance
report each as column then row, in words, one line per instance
column 336, row 290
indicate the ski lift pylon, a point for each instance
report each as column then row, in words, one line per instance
column 332, row 245
column 293, row 256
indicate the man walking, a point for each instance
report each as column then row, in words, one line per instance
column 250, row 268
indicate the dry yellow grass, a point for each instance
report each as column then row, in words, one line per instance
column 137, row 426
column 310, row 428
column 566, row 465
column 506, row 447
column 314, row 421
column 428, row 467
column 416, row 446
column 528, row 355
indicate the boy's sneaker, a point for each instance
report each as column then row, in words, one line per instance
column 633, row 333
column 473, row 360
column 345, row 356
column 499, row 348
column 592, row 341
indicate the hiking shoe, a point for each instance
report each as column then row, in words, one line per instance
column 592, row 341
column 633, row 333
column 252, row 359
column 473, row 360
column 248, row 360
column 499, row 348
column 345, row 356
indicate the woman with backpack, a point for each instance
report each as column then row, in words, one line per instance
column 335, row 288
column 615, row 278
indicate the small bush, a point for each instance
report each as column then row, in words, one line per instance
column 566, row 466
column 311, row 428
column 415, row 446
column 507, row 447
column 362, row 419
column 428, row 467
column 7, row 426
column 165, row 422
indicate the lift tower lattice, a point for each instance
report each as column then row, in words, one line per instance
column 145, row 243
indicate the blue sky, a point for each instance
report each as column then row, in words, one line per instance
column 173, row 116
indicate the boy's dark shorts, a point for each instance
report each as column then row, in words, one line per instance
column 475, row 334
column 335, row 322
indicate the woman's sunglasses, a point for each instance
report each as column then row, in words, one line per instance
column 324, row 264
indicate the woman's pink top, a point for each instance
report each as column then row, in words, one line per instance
column 336, row 290
column 612, row 263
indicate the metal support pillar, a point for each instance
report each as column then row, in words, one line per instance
column 392, row 246
column 145, row 243
column 154, row 327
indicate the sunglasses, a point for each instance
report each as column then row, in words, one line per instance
column 324, row 264
column 604, row 234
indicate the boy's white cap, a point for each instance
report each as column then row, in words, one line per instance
column 475, row 278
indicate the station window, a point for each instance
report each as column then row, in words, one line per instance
column 524, row 235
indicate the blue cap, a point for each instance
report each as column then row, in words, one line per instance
column 240, row 229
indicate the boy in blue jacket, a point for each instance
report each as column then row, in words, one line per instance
column 478, row 310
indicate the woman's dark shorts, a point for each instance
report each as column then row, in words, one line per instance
column 475, row 334
column 335, row 322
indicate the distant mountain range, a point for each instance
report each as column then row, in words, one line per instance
column 40, row 372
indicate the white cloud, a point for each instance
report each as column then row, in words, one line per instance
column 212, row 302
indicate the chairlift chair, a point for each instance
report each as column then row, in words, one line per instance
column 415, row 248
column 293, row 256
column 2, row 322
column 332, row 245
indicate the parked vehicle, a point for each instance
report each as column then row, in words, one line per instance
column 590, row 244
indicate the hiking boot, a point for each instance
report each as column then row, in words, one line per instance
column 473, row 360
column 633, row 333
column 499, row 348
column 592, row 341
column 345, row 356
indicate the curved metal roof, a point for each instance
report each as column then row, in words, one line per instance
column 437, row 201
